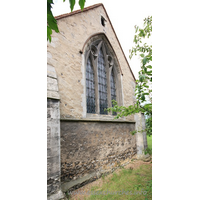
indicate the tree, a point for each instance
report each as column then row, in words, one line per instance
column 143, row 91
column 51, row 21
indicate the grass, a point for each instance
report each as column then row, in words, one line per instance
column 127, row 184
column 149, row 141
column 148, row 150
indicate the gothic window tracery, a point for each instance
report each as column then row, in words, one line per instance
column 101, row 87
column 113, row 89
column 90, row 87
column 102, row 83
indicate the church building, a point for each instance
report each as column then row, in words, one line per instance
column 86, row 70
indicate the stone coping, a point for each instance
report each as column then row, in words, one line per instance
column 55, row 98
column 96, row 120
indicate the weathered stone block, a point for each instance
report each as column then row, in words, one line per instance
column 52, row 84
column 53, row 149
column 51, row 72
column 53, row 94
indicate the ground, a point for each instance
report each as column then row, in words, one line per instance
column 135, row 174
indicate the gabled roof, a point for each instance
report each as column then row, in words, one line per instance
column 79, row 11
column 89, row 8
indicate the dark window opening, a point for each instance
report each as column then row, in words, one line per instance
column 103, row 21
column 90, row 87
column 102, row 83
column 113, row 89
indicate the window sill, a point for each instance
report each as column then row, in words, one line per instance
column 98, row 118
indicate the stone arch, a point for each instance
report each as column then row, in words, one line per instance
column 95, row 38
column 91, row 48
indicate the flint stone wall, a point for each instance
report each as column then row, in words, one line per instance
column 91, row 148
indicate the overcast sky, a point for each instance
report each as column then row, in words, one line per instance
column 123, row 16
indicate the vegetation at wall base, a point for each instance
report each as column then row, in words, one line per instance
column 129, row 184
column 149, row 141
column 148, row 150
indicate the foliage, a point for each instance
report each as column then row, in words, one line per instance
column 126, row 184
column 51, row 21
column 67, row 195
column 149, row 141
column 148, row 188
column 143, row 92
column 148, row 150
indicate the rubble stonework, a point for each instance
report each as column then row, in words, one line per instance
column 94, row 147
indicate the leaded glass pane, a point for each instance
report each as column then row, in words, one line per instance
column 113, row 90
column 102, row 83
column 90, row 87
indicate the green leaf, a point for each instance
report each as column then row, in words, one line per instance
column 135, row 39
column 52, row 22
column 144, row 60
column 149, row 72
column 142, row 55
column 143, row 97
column 72, row 3
column 141, row 78
column 133, row 132
column 148, row 105
column 49, row 32
column 82, row 3
column 50, row 1
column 145, row 69
column 49, row 8
column 141, row 34
column 136, row 28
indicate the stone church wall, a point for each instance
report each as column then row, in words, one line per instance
column 53, row 146
column 95, row 148
column 85, row 146
column 64, row 54
column 53, row 136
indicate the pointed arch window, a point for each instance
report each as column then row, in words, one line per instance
column 102, row 78
column 90, row 87
column 102, row 83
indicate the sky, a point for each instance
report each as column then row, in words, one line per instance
column 123, row 16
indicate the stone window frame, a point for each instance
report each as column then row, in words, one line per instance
column 111, row 63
